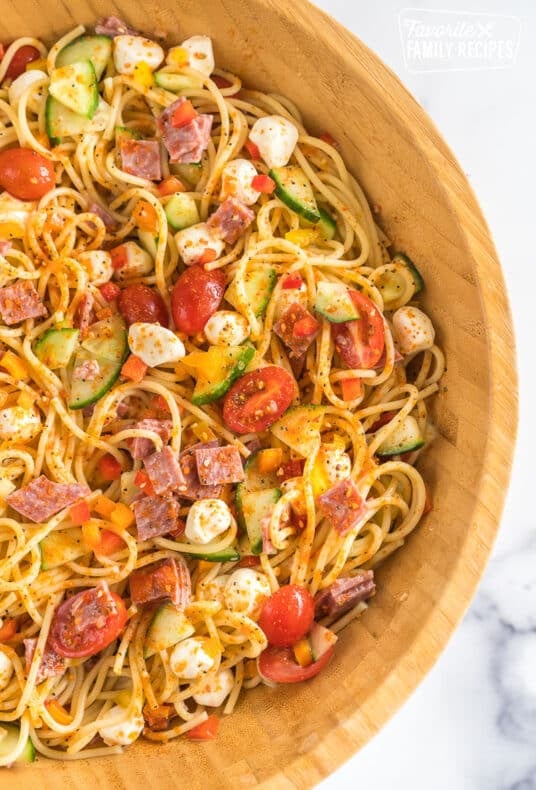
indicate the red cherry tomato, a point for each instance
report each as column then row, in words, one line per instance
column 87, row 622
column 20, row 60
column 195, row 297
column 258, row 399
column 360, row 343
column 287, row 615
column 278, row 665
column 25, row 174
column 138, row 302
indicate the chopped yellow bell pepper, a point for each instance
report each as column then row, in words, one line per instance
column 302, row 237
column 143, row 75
column 26, row 400
column 11, row 230
column 122, row 516
column 104, row 506
column 37, row 65
column 303, row 653
column 212, row 647
column 178, row 56
column 91, row 534
column 204, row 567
column 269, row 460
column 14, row 365
column 202, row 431
column 123, row 698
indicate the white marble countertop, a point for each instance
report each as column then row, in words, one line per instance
column 471, row 725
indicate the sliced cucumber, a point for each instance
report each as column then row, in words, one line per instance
column 62, row 122
column 226, row 555
column 105, row 344
column 97, row 49
column 258, row 285
column 299, row 428
column 148, row 241
column 56, row 347
column 181, row 211
column 321, row 640
column 9, row 741
column 107, row 339
column 326, row 225
column 295, row 190
column 216, row 369
column 404, row 439
column 129, row 489
column 171, row 81
column 253, row 507
column 401, row 257
column 190, row 173
column 62, row 546
column 255, row 480
column 333, row 301
column 76, row 87
column 168, row 626
column 126, row 133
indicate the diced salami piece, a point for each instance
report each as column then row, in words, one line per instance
column 345, row 593
column 342, row 506
column 297, row 364
column 164, row 472
column 185, row 144
column 5, row 246
column 84, row 314
column 51, row 663
column 141, row 158
column 122, row 410
column 297, row 328
column 193, row 487
column 267, row 545
column 169, row 578
column 141, row 446
column 41, row 499
column 155, row 516
column 231, row 219
column 112, row 26
column 19, row 302
column 380, row 364
column 107, row 218
column 88, row 371
column 219, row 465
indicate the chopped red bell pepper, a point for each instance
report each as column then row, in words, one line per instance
column 109, row 543
column 305, row 326
column 292, row 281
column 327, row 138
column 80, row 513
column 119, row 256
column 143, row 481
column 170, row 185
column 263, row 184
column 252, row 149
column 351, row 388
column 208, row 255
column 183, row 114
column 206, row 731
column 109, row 467
column 134, row 369
column 292, row 468
column 249, row 561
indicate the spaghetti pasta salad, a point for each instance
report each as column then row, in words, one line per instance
column 213, row 386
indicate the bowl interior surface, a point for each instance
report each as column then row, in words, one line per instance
column 292, row 737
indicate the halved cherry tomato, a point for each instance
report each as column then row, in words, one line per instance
column 382, row 420
column 258, row 399
column 25, row 174
column 109, row 467
column 292, row 281
column 183, row 114
column 252, row 149
column 195, row 297
column 221, row 82
column 19, row 61
column 170, row 185
column 110, row 291
column 87, row 622
column 138, row 302
column 361, row 342
column 287, row 615
column 206, row 731
column 263, row 184
column 279, row 665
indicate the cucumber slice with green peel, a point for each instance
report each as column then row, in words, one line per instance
column 398, row 282
column 61, row 546
column 254, row 507
column 56, row 347
column 405, row 438
column 9, row 740
column 107, row 339
column 258, row 285
column 97, row 49
column 401, row 257
column 148, row 241
column 333, row 301
column 189, row 173
column 294, row 189
column 62, row 122
column 168, row 626
column 126, row 133
column 255, row 480
column 76, row 87
column 181, row 211
column 321, row 639
column 299, row 428
column 225, row 555
column 105, row 344
column 171, row 81
column 326, row 225
column 216, row 369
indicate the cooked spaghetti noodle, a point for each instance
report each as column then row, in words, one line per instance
column 98, row 203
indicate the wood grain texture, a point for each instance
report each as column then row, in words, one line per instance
column 291, row 738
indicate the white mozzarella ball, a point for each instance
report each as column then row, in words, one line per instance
column 6, row 670
column 412, row 330
column 125, row 732
column 131, row 50
column 335, row 462
column 19, row 85
column 215, row 688
column 154, row 344
column 213, row 590
column 246, row 591
column 201, row 54
column 98, row 265
column 236, row 179
column 138, row 262
column 193, row 241
column 226, row 328
column 18, row 424
column 189, row 659
column 207, row 518
column 15, row 213
column 276, row 138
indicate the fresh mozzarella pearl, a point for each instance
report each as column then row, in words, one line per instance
column 213, row 590
column 98, row 265
column 15, row 214
column 19, row 424
column 6, row 670
column 236, row 179
column 131, row 50
column 335, row 462
column 226, row 328
column 207, row 518
column 246, row 591
column 138, row 262
column 124, row 733
column 189, row 659
column 276, row 138
column 154, row 344
column 193, row 241
column 412, row 330
column 18, row 86
column 201, row 55
column 215, row 688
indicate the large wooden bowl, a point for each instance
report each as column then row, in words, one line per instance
column 294, row 736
